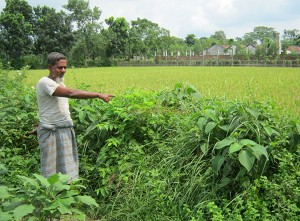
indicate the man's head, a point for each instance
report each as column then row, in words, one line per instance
column 57, row 65
column 54, row 57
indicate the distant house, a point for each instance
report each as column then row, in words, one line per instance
column 250, row 49
column 220, row 50
column 293, row 49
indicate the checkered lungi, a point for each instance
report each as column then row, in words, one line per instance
column 58, row 151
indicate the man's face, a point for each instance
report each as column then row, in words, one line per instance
column 58, row 70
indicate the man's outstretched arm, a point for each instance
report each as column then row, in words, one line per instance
column 80, row 94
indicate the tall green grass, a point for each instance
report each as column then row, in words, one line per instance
column 280, row 85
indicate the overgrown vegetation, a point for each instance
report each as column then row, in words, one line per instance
column 169, row 155
column 44, row 199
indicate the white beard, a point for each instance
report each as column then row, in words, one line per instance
column 60, row 80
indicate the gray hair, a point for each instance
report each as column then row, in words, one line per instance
column 54, row 57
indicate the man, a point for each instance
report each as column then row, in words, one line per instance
column 55, row 131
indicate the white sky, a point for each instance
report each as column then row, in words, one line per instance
column 200, row 17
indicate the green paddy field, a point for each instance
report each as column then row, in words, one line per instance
column 279, row 85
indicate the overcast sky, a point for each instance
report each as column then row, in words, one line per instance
column 200, row 17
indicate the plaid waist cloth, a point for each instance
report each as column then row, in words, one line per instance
column 58, row 150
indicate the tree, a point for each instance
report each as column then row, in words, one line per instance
column 177, row 46
column 290, row 37
column 290, row 34
column 259, row 35
column 263, row 33
column 52, row 31
column 190, row 40
column 16, row 31
column 297, row 40
column 266, row 41
column 88, row 27
column 146, row 37
column 164, row 40
column 249, row 39
column 119, row 33
column 220, row 37
column 267, row 50
column 201, row 44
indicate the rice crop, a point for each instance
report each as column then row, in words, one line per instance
column 278, row 85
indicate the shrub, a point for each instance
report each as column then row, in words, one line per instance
column 168, row 155
column 43, row 199
column 18, row 149
column 157, row 155
column 33, row 61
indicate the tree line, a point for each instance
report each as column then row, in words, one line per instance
column 28, row 34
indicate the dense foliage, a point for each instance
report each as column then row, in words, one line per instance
column 170, row 155
column 29, row 33
column 44, row 199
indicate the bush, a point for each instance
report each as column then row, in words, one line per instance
column 169, row 155
column 166, row 155
column 18, row 149
column 43, row 199
column 34, row 61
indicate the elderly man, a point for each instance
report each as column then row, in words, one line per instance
column 55, row 131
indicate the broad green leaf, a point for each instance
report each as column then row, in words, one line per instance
column 224, row 127
column 204, row 147
column 76, row 108
column 254, row 113
column 6, row 216
column 247, row 142
column 234, row 123
column 234, row 147
column 103, row 126
column 269, row 130
column 67, row 194
column 63, row 205
column 191, row 89
column 196, row 95
column 30, row 181
column 259, row 150
column 64, row 177
column 58, row 177
column 224, row 143
column 81, row 115
column 90, row 128
column 42, row 180
column 22, row 211
column 61, row 187
column 217, row 162
column 64, row 209
column 209, row 127
column 4, row 194
column 3, row 169
column 246, row 159
column 178, row 85
column 77, row 211
column 201, row 122
column 87, row 200
column 241, row 173
column 224, row 182
column 8, row 206
column 211, row 114
column 53, row 178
